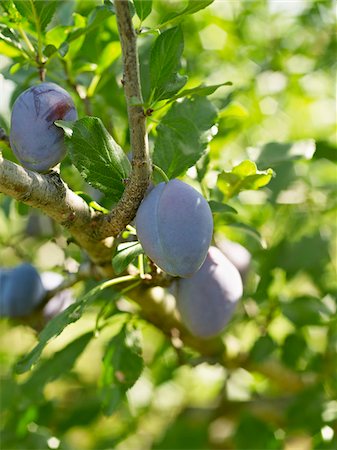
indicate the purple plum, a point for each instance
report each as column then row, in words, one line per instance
column 174, row 226
column 207, row 300
column 35, row 140
column 21, row 290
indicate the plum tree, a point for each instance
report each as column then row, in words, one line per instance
column 237, row 254
column 35, row 140
column 21, row 290
column 207, row 300
column 175, row 225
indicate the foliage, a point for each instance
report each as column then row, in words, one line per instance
column 239, row 97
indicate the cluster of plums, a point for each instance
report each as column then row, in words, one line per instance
column 174, row 224
column 23, row 289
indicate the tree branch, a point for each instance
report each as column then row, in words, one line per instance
column 51, row 194
column 138, row 183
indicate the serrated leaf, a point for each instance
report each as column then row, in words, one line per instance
column 37, row 12
column 11, row 37
column 99, row 159
column 245, row 176
column 201, row 90
column 56, row 366
column 164, row 61
column 183, row 134
column 122, row 366
column 126, row 253
column 218, row 207
column 56, row 325
column 192, row 7
column 143, row 8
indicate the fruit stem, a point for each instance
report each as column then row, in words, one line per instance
column 161, row 173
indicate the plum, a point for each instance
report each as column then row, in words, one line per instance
column 21, row 290
column 237, row 254
column 207, row 300
column 174, row 226
column 35, row 140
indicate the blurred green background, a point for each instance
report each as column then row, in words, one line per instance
column 281, row 113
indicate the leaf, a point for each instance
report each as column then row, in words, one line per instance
column 245, row 176
column 183, row 135
column 304, row 311
column 99, row 159
column 275, row 153
column 95, row 19
column 192, row 7
column 37, row 12
column 262, row 348
column 126, row 253
column 164, row 61
column 218, row 207
column 56, row 366
column 201, row 90
column 56, row 325
column 122, row 366
column 11, row 37
column 143, row 8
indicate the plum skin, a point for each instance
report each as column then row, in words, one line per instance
column 174, row 226
column 35, row 140
column 207, row 300
column 21, row 290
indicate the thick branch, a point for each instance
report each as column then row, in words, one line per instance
column 53, row 197
column 135, row 190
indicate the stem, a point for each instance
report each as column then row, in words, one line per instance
column 161, row 173
column 38, row 29
column 118, row 280
column 27, row 41
column 136, row 188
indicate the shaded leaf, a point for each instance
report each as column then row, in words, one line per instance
column 218, row 207
column 183, row 135
column 56, row 366
column 122, row 366
column 304, row 311
column 275, row 153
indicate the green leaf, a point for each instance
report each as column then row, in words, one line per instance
column 56, row 366
column 192, row 7
column 183, row 135
column 95, row 19
column 304, row 311
column 164, row 62
column 201, row 90
column 122, row 366
column 275, row 153
column 11, row 37
column 262, row 348
column 143, row 8
column 126, row 253
column 218, row 207
column 37, row 12
column 99, row 159
column 245, row 176
column 56, row 325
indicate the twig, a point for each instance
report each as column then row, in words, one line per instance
column 138, row 183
